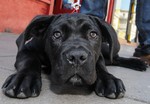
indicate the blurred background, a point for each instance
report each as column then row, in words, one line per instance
column 15, row 15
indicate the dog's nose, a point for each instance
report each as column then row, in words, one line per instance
column 77, row 57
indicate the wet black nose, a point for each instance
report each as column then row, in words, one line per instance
column 77, row 57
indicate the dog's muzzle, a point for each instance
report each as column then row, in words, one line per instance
column 77, row 59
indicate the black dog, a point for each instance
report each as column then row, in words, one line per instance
column 75, row 48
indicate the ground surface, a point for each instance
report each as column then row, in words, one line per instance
column 137, row 83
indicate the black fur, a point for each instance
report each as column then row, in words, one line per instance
column 74, row 49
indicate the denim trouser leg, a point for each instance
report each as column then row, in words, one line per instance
column 94, row 7
column 143, row 21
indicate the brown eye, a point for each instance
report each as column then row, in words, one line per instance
column 93, row 35
column 57, row 35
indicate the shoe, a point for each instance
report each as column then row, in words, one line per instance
column 138, row 48
column 142, row 51
column 146, row 59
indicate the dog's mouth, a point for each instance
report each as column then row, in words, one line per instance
column 74, row 85
column 75, row 80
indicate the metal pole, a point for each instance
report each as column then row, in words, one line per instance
column 130, row 20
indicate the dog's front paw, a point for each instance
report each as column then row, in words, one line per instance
column 139, row 64
column 111, row 88
column 22, row 85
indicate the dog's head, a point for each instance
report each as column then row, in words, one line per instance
column 73, row 45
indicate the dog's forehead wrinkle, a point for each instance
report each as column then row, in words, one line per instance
column 64, row 26
column 75, row 37
column 74, row 24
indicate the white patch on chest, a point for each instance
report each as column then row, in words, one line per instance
column 28, row 40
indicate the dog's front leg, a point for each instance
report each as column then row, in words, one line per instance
column 26, row 82
column 107, row 85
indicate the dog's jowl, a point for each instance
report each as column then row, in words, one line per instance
column 74, row 48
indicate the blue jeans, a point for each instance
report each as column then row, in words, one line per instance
column 143, row 21
column 99, row 8
column 94, row 7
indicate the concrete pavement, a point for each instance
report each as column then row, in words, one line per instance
column 137, row 83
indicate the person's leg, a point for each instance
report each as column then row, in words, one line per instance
column 94, row 7
column 143, row 26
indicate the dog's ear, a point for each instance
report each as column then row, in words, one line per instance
column 39, row 25
column 36, row 28
column 109, row 35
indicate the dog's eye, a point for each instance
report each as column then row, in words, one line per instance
column 93, row 34
column 57, row 35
